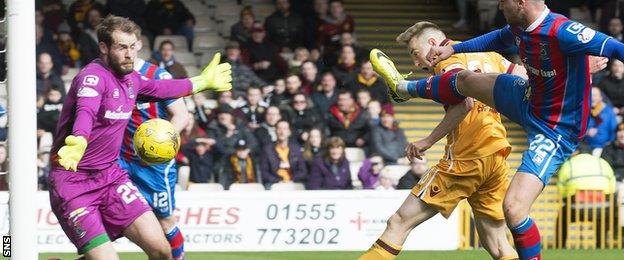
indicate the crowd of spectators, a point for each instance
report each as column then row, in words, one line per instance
column 303, row 92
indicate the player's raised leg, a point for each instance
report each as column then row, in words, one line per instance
column 522, row 192
column 412, row 213
column 148, row 238
column 450, row 88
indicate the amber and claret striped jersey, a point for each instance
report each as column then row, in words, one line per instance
column 482, row 132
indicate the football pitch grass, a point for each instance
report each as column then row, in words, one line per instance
column 612, row 254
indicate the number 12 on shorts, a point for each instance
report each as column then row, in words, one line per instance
column 129, row 193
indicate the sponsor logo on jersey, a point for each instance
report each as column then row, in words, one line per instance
column 145, row 105
column 586, row 35
column 164, row 75
column 90, row 80
column 87, row 92
column 117, row 115
column 116, row 93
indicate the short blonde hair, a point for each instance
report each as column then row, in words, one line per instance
column 416, row 30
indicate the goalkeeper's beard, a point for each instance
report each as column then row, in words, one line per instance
column 121, row 68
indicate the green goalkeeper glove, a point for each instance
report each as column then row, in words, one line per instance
column 71, row 153
column 216, row 77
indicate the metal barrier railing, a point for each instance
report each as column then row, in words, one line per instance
column 587, row 220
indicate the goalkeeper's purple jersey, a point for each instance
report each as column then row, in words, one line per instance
column 144, row 110
column 554, row 51
column 98, row 107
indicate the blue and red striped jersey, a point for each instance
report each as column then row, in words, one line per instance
column 555, row 52
column 144, row 110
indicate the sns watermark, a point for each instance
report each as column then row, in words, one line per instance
column 6, row 246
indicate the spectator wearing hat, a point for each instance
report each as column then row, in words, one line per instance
column 266, row 133
column 388, row 140
column 331, row 171
column 46, row 76
column 242, row 76
column 228, row 131
column 240, row 167
column 602, row 123
column 241, row 30
column 284, row 27
column 262, row 56
column 283, row 161
column 254, row 108
column 302, row 117
column 368, row 79
column 614, row 153
column 327, row 95
column 165, row 58
column 418, row 168
column 348, row 121
column 202, row 155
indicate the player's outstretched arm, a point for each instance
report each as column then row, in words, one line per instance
column 216, row 77
column 493, row 41
column 454, row 116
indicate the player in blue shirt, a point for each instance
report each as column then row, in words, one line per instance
column 156, row 182
column 552, row 106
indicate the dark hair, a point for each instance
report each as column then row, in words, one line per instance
column 283, row 121
column 335, row 1
column 113, row 23
column 252, row 88
column 166, row 42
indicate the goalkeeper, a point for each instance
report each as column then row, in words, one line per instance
column 92, row 197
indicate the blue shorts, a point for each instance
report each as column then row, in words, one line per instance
column 156, row 183
column 548, row 148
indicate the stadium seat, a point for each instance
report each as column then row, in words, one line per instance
column 355, row 154
column 145, row 54
column 207, row 42
column 225, row 23
column 185, row 58
column 191, row 71
column 246, row 187
column 178, row 41
column 287, row 186
column 396, row 171
column 204, row 24
column 71, row 73
column 205, row 187
column 146, row 43
column 207, row 56
column 354, row 167
column 183, row 176
column 197, row 8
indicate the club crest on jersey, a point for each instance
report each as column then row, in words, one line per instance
column 130, row 92
column 543, row 51
column 116, row 93
column 164, row 75
column 517, row 41
column 86, row 92
column 90, row 80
